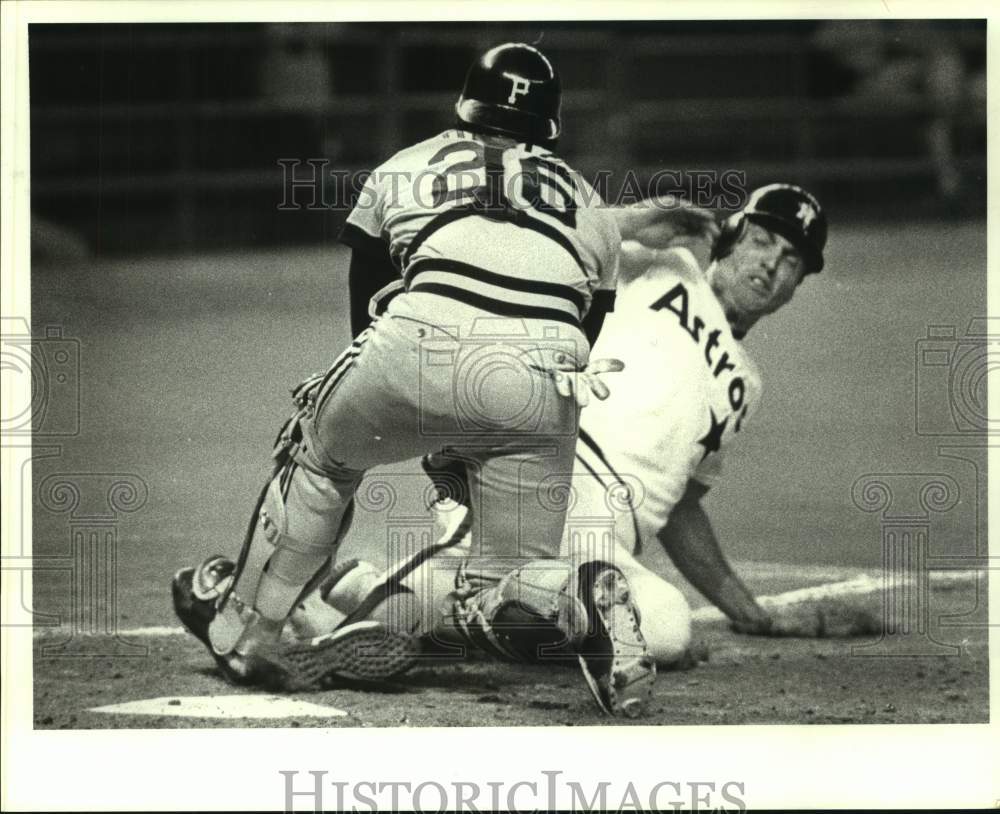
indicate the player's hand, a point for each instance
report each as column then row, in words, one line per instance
column 579, row 384
column 660, row 222
column 756, row 622
column 821, row 619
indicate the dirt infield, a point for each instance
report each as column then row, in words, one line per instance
column 184, row 369
column 745, row 680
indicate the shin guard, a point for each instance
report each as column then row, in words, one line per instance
column 531, row 614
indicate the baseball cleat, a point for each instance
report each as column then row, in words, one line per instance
column 614, row 658
column 196, row 592
column 365, row 651
column 360, row 651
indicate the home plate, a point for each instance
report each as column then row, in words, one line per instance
column 224, row 706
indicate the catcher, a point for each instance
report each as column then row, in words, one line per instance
column 504, row 256
column 650, row 450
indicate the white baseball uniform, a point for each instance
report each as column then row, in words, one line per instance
column 544, row 246
column 687, row 388
column 501, row 248
column 686, row 391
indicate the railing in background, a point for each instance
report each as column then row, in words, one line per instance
column 160, row 137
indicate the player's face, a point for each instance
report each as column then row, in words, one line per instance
column 762, row 273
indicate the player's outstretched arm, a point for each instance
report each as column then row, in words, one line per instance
column 692, row 545
column 652, row 229
column 690, row 541
column 657, row 222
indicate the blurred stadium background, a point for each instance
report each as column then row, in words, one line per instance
column 167, row 137
column 159, row 245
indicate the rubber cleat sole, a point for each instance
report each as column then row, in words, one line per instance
column 361, row 651
column 616, row 664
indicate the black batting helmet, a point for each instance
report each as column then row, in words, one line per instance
column 514, row 90
column 787, row 210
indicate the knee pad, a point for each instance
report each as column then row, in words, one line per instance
column 400, row 602
column 348, row 584
column 341, row 590
column 354, row 591
column 666, row 615
column 298, row 440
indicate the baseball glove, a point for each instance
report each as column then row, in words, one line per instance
column 817, row 619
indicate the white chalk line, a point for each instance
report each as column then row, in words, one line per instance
column 856, row 586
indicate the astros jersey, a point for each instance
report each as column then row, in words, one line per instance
column 497, row 225
column 686, row 391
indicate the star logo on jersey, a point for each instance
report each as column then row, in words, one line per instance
column 712, row 440
column 806, row 214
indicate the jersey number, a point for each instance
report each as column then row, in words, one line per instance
column 506, row 194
